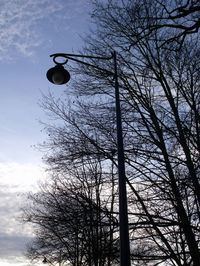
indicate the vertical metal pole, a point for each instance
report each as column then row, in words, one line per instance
column 60, row 257
column 123, row 210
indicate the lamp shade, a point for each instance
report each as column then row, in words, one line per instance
column 58, row 75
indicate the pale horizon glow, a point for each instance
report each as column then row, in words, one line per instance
column 21, row 177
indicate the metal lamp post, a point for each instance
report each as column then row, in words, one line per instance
column 59, row 75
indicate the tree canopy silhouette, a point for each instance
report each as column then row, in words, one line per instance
column 157, row 43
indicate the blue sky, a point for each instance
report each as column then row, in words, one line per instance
column 30, row 30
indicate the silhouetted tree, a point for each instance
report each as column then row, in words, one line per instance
column 176, row 19
column 73, row 223
column 157, row 44
column 160, row 99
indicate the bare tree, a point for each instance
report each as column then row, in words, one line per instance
column 160, row 99
column 158, row 58
column 73, row 221
column 177, row 19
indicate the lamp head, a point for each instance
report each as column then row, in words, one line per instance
column 58, row 75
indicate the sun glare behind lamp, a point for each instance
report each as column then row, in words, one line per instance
column 58, row 75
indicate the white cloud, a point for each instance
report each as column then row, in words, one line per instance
column 15, row 179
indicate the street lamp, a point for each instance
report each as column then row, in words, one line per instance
column 59, row 75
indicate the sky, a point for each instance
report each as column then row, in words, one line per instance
column 30, row 30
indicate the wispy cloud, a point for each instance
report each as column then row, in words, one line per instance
column 21, row 22
column 18, row 20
